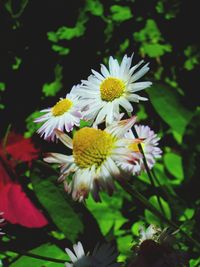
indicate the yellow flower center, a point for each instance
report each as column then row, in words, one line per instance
column 92, row 147
column 134, row 146
column 61, row 107
column 111, row 88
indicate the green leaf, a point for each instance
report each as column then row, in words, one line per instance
column 124, row 244
column 95, row 7
column 31, row 126
column 124, row 46
column 136, row 227
column 17, row 63
column 67, row 33
column 191, row 149
column 149, row 33
column 2, row 86
column 62, row 51
column 51, row 89
column 173, row 163
column 120, row 13
column 47, row 250
column 107, row 213
column 58, row 207
column 150, row 217
column 187, row 215
column 84, row 124
column 166, row 102
column 193, row 57
column 195, row 262
column 151, row 40
column 155, row 50
column 16, row 9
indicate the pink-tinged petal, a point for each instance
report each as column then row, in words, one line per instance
column 121, row 127
column 64, row 138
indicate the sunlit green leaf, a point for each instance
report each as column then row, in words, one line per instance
column 151, row 40
column 107, row 213
column 195, row 262
column 67, row 33
column 193, row 57
column 120, row 13
column 150, row 217
column 17, row 63
column 124, row 244
column 136, row 227
column 95, row 7
column 187, row 215
column 155, row 50
column 2, row 86
column 51, row 89
column 47, row 250
column 63, row 51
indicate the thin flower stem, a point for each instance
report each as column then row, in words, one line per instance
column 132, row 191
column 148, row 172
column 32, row 255
column 5, row 139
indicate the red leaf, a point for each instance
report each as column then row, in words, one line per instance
column 20, row 148
column 17, row 207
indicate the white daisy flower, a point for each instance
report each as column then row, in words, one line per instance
column 152, row 232
column 102, row 256
column 149, row 142
column 166, row 235
column 64, row 115
column 103, row 93
column 93, row 159
column 2, row 220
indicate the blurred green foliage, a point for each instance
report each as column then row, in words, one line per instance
column 71, row 47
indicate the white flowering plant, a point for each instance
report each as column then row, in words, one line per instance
column 101, row 144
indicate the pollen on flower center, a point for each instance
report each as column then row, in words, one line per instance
column 134, row 146
column 91, row 147
column 61, row 107
column 111, row 88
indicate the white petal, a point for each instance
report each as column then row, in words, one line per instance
column 140, row 73
column 121, row 127
column 104, row 71
column 125, row 104
column 135, row 87
column 71, row 255
column 64, row 138
column 57, row 158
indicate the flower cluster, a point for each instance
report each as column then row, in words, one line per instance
column 156, row 248
column 108, row 150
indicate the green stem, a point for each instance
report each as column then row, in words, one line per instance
column 132, row 191
column 148, row 172
column 32, row 255
column 5, row 139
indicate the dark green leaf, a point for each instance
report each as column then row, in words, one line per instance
column 59, row 209
column 173, row 163
column 167, row 103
